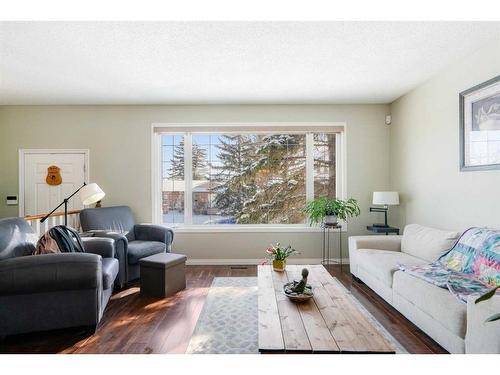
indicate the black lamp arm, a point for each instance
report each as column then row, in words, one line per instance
column 65, row 202
column 381, row 209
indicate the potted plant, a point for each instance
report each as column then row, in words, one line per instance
column 278, row 254
column 330, row 210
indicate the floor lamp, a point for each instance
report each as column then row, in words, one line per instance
column 89, row 193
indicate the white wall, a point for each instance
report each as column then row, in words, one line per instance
column 424, row 156
column 119, row 140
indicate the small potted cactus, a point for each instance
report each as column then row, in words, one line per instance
column 278, row 255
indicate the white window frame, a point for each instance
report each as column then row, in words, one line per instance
column 250, row 128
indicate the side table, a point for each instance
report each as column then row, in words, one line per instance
column 386, row 230
column 326, row 243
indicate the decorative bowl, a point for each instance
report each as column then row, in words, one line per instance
column 298, row 297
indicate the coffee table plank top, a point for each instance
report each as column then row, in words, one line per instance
column 292, row 329
column 270, row 337
column 319, row 335
column 335, row 318
column 352, row 330
column 331, row 322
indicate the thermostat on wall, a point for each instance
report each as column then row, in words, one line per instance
column 11, row 200
column 388, row 120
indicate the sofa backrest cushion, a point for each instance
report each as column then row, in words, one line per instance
column 16, row 238
column 427, row 243
column 116, row 219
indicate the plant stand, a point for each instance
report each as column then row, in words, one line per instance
column 327, row 228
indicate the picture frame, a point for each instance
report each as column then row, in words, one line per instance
column 480, row 126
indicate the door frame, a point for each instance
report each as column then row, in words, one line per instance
column 26, row 151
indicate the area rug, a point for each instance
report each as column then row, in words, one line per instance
column 228, row 323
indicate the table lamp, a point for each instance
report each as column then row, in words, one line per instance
column 385, row 199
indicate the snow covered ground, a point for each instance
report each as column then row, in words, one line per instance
column 177, row 217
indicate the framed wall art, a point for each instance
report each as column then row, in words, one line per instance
column 480, row 126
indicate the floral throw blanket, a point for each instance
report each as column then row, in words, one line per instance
column 472, row 266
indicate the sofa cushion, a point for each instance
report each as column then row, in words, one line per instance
column 438, row 303
column 140, row 249
column 427, row 243
column 381, row 264
column 109, row 271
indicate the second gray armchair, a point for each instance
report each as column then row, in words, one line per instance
column 132, row 241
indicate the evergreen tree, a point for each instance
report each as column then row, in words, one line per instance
column 279, row 177
column 324, row 165
column 176, row 171
column 231, row 185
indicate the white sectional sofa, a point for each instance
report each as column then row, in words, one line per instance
column 457, row 327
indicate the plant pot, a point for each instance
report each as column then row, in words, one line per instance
column 279, row 265
column 331, row 220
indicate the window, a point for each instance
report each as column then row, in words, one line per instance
column 325, row 154
column 173, row 184
column 245, row 178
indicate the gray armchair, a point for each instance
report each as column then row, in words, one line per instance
column 51, row 291
column 132, row 241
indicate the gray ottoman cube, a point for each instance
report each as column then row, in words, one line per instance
column 163, row 274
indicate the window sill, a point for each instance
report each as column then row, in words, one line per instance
column 249, row 229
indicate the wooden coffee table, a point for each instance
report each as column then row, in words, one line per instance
column 328, row 323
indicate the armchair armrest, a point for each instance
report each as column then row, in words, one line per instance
column 86, row 234
column 50, row 272
column 104, row 247
column 121, row 241
column 151, row 232
column 482, row 337
column 120, row 251
column 391, row 243
column 105, row 234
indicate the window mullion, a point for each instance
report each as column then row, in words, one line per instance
column 339, row 166
column 188, row 179
column 157, row 179
column 309, row 167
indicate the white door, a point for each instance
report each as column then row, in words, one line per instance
column 38, row 196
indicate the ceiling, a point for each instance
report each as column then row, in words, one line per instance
column 227, row 62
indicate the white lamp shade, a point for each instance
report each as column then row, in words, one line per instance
column 91, row 193
column 386, row 198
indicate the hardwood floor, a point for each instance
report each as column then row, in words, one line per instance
column 136, row 324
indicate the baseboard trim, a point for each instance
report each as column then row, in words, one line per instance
column 234, row 262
